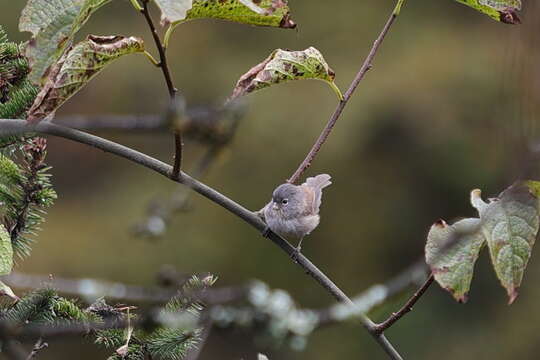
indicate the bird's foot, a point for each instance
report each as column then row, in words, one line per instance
column 266, row 232
column 296, row 253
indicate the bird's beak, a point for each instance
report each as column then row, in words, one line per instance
column 275, row 207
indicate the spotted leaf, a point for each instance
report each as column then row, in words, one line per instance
column 53, row 24
column 283, row 66
column 500, row 10
column 77, row 67
column 451, row 252
column 510, row 224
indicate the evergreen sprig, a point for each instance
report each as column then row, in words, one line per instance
column 16, row 93
column 44, row 306
column 25, row 192
column 178, row 329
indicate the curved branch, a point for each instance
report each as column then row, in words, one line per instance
column 366, row 66
column 8, row 126
column 392, row 319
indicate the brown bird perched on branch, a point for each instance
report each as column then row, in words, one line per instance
column 293, row 211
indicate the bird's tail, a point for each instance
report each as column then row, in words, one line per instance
column 319, row 182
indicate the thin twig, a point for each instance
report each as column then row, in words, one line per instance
column 94, row 288
column 366, row 66
column 382, row 327
column 121, row 123
column 8, row 126
column 160, row 213
column 161, row 50
column 38, row 346
column 178, row 142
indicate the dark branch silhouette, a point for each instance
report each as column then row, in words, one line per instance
column 178, row 142
column 366, row 66
column 8, row 126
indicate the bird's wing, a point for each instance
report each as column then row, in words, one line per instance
column 316, row 184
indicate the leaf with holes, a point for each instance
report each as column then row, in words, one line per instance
column 510, row 224
column 6, row 252
column 274, row 13
column 282, row 66
column 77, row 67
column 451, row 252
column 500, row 10
column 53, row 24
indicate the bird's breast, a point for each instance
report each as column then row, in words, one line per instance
column 294, row 227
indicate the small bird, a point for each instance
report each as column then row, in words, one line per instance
column 294, row 209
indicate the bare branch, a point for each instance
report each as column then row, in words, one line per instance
column 205, row 124
column 380, row 328
column 178, row 142
column 91, row 289
column 366, row 66
column 160, row 212
column 122, row 123
column 20, row 126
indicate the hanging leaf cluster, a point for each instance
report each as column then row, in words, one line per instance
column 508, row 225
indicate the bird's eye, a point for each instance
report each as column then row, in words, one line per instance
column 285, row 201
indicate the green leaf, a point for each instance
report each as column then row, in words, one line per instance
column 53, row 24
column 282, row 66
column 6, row 252
column 77, row 67
column 500, row 10
column 510, row 224
column 451, row 252
column 273, row 13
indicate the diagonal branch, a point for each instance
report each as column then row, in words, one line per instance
column 392, row 319
column 366, row 66
column 172, row 90
column 8, row 127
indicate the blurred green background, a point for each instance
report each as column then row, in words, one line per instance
column 436, row 117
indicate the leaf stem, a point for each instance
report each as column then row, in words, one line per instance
column 336, row 90
column 397, row 9
column 152, row 59
column 168, row 34
column 136, row 5
column 366, row 66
